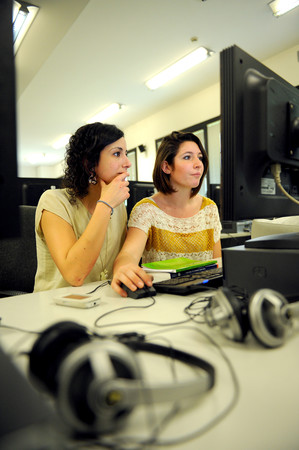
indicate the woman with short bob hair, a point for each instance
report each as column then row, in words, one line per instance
column 167, row 151
column 176, row 221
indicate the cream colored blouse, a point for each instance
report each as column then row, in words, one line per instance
column 57, row 201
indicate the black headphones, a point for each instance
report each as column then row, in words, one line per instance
column 98, row 381
column 267, row 314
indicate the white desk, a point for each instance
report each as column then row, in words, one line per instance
column 266, row 414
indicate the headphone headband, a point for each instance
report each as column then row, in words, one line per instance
column 179, row 355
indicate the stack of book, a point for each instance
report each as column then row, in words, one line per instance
column 177, row 267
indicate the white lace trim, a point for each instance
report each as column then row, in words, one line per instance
column 153, row 255
column 147, row 214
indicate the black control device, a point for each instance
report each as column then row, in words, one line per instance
column 145, row 291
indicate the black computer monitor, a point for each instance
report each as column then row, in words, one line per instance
column 138, row 191
column 214, row 193
column 33, row 188
column 9, row 191
column 259, row 127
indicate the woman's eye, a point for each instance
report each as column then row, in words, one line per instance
column 187, row 157
column 116, row 154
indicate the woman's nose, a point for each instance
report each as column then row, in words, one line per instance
column 127, row 162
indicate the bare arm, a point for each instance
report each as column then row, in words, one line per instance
column 217, row 250
column 76, row 258
column 126, row 269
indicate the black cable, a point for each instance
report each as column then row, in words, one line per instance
column 10, row 327
column 193, row 311
column 105, row 283
column 124, row 307
column 144, row 322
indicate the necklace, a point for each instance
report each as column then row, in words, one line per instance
column 104, row 273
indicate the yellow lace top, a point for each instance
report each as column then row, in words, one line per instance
column 170, row 237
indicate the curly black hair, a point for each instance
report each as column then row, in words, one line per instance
column 83, row 153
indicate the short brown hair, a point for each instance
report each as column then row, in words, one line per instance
column 166, row 152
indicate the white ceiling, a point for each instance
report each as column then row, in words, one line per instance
column 79, row 56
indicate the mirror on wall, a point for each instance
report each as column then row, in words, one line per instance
column 133, row 170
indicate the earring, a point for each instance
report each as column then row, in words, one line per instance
column 92, row 178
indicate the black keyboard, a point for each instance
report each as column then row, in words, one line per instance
column 194, row 282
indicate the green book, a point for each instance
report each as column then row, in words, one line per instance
column 176, row 265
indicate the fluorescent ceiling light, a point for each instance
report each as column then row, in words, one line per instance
column 61, row 142
column 42, row 159
column 22, row 17
column 105, row 113
column 280, row 7
column 181, row 66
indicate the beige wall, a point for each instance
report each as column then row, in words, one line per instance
column 195, row 109
column 286, row 64
column 198, row 108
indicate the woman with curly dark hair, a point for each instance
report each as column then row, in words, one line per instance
column 80, row 229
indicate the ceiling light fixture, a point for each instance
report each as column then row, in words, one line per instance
column 280, row 7
column 105, row 113
column 22, row 17
column 179, row 67
column 61, row 142
column 42, row 159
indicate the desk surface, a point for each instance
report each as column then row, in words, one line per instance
column 267, row 410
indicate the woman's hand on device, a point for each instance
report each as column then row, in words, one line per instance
column 133, row 276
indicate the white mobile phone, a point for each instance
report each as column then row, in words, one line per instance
column 78, row 300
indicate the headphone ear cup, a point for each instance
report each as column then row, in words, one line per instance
column 50, row 349
column 229, row 313
column 84, row 399
column 269, row 326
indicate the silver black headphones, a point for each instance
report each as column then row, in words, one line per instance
column 97, row 382
column 267, row 314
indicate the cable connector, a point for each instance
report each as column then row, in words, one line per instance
column 276, row 170
column 130, row 337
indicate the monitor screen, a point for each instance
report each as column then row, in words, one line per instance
column 33, row 188
column 138, row 191
column 9, row 192
column 259, row 127
column 214, row 193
